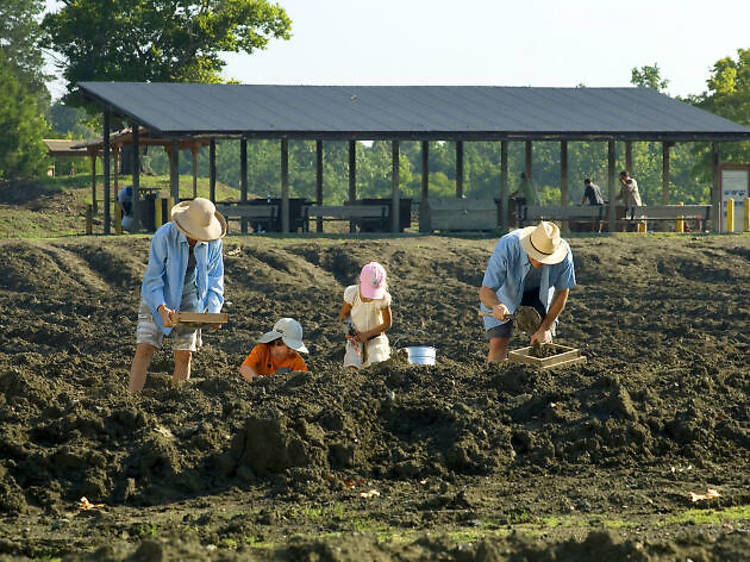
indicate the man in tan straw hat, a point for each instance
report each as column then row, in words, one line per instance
column 185, row 273
column 530, row 266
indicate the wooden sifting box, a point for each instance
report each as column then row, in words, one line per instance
column 563, row 357
column 201, row 319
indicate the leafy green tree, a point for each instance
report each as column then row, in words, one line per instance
column 19, row 37
column 649, row 77
column 22, row 152
column 158, row 40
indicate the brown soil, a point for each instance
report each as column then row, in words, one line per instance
column 470, row 462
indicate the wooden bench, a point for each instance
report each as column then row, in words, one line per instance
column 268, row 214
column 700, row 213
column 459, row 215
column 533, row 214
column 347, row 212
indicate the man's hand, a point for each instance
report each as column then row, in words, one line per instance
column 541, row 336
column 500, row 311
column 167, row 316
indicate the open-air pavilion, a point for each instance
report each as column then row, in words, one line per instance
column 206, row 112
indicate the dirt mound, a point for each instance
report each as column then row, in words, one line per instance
column 664, row 389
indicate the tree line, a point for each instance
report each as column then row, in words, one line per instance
column 179, row 40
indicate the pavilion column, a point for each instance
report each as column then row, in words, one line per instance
column 212, row 170
column 503, row 186
column 284, row 185
column 715, row 188
column 136, row 175
column 352, row 177
column 94, row 204
column 629, row 157
column 243, row 179
column 459, row 169
column 665, row 173
column 174, row 170
column 423, row 226
column 395, row 201
column 105, row 162
column 115, row 171
column 528, row 158
column 564, row 177
column 611, row 184
column 319, row 181
column 194, row 152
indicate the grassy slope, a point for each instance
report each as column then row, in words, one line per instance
column 52, row 207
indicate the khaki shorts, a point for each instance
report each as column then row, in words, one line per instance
column 148, row 331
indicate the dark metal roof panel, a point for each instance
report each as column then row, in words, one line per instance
column 476, row 111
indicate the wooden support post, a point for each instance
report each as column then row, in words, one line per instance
column 212, row 170
column 395, row 197
column 94, row 203
column 629, row 157
column 423, row 226
column 174, row 170
column 118, row 217
column 115, row 171
column 664, row 173
column 134, row 212
column 715, row 188
column 564, row 178
column 105, row 160
column 89, row 219
column 284, row 185
column 243, row 180
column 504, row 186
column 528, row 159
column 194, row 153
column 459, row 169
column 319, row 180
column 352, row 178
column 611, row 184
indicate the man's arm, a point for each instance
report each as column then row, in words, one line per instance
column 558, row 305
column 488, row 297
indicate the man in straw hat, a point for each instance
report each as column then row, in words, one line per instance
column 530, row 266
column 185, row 273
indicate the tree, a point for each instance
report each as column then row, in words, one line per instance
column 649, row 77
column 158, row 40
column 22, row 126
column 19, row 37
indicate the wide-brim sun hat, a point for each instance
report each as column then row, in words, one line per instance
column 198, row 219
column 290, row 332
column 543, row 243
column 372, row 281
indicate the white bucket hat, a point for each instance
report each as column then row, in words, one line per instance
column 290, row 332
column 543, row 243
column 198, row 219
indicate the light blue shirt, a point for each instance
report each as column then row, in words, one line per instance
column 507, row 270
column 165, row 275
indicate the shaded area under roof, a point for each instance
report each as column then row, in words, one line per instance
column 411, row 112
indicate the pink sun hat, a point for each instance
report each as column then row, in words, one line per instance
column 372, row 281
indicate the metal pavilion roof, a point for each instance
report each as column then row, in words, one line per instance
column 411, row 112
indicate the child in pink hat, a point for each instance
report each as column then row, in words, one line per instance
column 367, row 307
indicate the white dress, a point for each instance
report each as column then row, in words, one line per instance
column 365, row 316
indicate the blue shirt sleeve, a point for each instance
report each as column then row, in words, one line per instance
column 566, row 276
column 497, row 268
column 215, row 265
column 152, row 288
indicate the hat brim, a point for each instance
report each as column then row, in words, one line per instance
column 216, row 229
column 296, row 345
column 548, row 259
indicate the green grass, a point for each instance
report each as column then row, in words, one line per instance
column 711, row 516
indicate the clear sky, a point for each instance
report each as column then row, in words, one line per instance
column 495, row 42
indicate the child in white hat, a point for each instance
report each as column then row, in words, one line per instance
column 367, row 306
column 276, row 351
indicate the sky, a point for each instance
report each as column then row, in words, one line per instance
column 496, row 43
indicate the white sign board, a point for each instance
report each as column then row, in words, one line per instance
column 734, row 186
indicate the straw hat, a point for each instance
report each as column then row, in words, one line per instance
column 198, row 219
column 290, row 332
column 543, row 243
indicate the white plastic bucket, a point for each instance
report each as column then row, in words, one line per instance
column 421, row 355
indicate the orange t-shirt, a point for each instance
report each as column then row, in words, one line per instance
column 261, row 361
